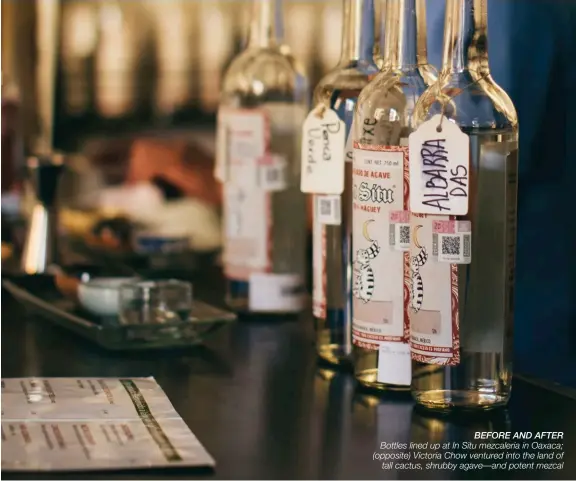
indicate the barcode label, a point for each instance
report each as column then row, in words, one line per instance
column 329, row 210
column 273, row 174
column 451, row 241
column 399, row 234
column 452, row 248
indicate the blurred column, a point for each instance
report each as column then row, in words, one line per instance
column 79, row 36
column 301, row 27
column 331, row 35
column 216, row 43
column 174, row 43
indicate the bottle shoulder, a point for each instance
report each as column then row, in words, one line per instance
column 471, row 99
column 257, row 71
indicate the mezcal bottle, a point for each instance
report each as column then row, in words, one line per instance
column 381, row 234
column 263, row 104
column 337, row 93
column 463, row 170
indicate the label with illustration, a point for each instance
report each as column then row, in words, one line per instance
column 380, row 187
column 433, row 287
column 250, row 174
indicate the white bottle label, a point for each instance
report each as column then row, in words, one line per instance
column 247, row 202
column 394, row 363
column 433, row 309
column 323, row 142
column 380, row 177
column 318, row 265
column 439, row 168
column 276, row 293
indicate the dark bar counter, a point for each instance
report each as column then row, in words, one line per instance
column 261, row 405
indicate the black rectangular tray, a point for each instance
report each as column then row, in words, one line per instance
column 40, row 296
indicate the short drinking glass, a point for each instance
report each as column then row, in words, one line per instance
column 155, row 302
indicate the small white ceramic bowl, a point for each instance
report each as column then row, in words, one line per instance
column 100, row 295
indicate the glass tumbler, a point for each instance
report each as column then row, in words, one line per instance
column 155, row 302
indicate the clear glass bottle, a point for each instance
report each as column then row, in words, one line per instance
column 264, row 101
column 332, row 251
column 382, row 124
column 466, row 313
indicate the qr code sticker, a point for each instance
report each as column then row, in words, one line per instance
column 404, row 234
column 451, row 245
column 453, row 248
column 326, row 207
column 329, row 210
column 273, row 176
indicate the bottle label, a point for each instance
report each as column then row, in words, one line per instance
column 276, row 292
column 318, row 264
column 250, row 173
column 433, row 309
column 327, row 211
column 380, row 178
column 323, row 156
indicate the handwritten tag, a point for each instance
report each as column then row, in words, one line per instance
column 323, row 138
column 439, row 168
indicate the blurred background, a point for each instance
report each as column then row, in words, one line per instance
column 129, row 90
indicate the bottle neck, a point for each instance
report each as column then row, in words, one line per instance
column 401, row 45
column 358, row 31
column 267, row 25
column 422, row 42
column 466, row 36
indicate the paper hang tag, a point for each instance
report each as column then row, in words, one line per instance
column 439, row 168
column 323, row 138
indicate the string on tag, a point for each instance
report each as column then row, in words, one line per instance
column 320, row 111
column 445, row 101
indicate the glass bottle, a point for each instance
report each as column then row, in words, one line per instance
column 382, row 124
column 264, row 101
column 465, row 315
column 332, row 227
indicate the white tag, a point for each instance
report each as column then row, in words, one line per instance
column 452, row 241
column 272, row 173
column 394, row 363
column 439, row 168
column 329, row 210
column 323, row 138
column 276, row 293
column 349, row 149
column 400, row 230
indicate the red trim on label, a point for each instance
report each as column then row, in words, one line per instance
column 324, row 275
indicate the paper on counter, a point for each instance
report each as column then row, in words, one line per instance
column 61, row 424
